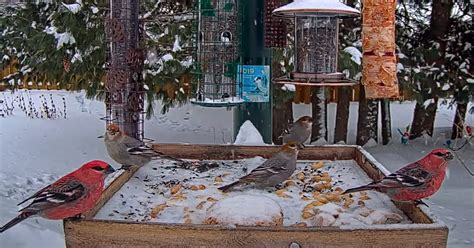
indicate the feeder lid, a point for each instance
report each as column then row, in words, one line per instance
column 316, row 8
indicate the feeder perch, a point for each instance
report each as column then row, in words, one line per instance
column 316, row 42
column 217, row 53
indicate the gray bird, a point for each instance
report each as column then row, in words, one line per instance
column 279, row 167
column 298, row 132
column 129, row 151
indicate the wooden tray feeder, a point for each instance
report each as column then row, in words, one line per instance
column 316, row 25
column 425, row 231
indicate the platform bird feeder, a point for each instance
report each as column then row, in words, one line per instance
column 218, row 45
column 316, row 25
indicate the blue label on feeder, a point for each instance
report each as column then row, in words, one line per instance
column 254, row 82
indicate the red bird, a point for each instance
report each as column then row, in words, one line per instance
column 71, row 195
column 415, row 181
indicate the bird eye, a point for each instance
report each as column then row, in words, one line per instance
column 439, row 154
column 98, row 168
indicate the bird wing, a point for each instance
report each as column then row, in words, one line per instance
column 410, row 176
column 131, row 143
column 270, row 167
column 58, row 193
column 286, row 131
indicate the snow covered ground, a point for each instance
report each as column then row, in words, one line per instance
column 35, row 152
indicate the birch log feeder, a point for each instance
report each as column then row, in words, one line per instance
column 379, row 63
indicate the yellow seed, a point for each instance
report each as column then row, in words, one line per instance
column 179, row 197
column 218, row 179
column 307, row 215
column 202, row 187
column 364, row 197
column 316, row 193
column 156, row 210
column 188, row 221
column 305, row 198
column 300, row 176
column 288, row 183
column 300, row 224
column 281, row 193
column 348, row 203
column 194, row 187
column 175, row 189
column 201, row 205
column 210, row 199
column 334, row 197
column 338, row 189
column 317, row 165
column 361, row 203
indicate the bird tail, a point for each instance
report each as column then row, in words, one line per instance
column 229, row 186
column 357, row 189
column 16, row 220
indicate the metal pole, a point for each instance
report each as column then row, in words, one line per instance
column 253, row 52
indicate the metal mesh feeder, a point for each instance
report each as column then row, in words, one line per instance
column 217, row 53
column 316, row 41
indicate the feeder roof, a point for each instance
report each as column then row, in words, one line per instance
column 316, row 7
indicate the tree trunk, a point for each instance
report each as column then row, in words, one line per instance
column 423, row 119
column 318, row 101
column 458, row 125
column 342, row 114
column 386, row 122
column 367, row 120
column 282, row 114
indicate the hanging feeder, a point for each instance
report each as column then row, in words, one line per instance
column 217, row 54
column 316, row 42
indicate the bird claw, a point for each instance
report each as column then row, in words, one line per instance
column 76, row 217
column 126, row 167
column 301, row 146
column 418, row 202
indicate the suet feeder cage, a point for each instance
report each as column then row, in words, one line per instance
column 217, row 53
column 316, row 25
column 124, row 93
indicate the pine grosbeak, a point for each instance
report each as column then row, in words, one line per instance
column 415, row 181
column 279, row 167
column 71, row 195
column 129, row 151
column 298, row 132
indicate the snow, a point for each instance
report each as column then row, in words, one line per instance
column 370, row 143
column 94, row 9
column 74, row 7
column 75, row 138
column 176, row 46
column 61, row 38
column 227, row 100
column 428, row 102
column 356, row 55
column 315, row 6
column 289, row 87
column 246, row 210
column 248, row 135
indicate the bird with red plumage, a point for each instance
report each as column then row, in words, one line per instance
column 414, row 182
column 71, row 195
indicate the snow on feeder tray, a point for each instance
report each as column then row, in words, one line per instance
column 316, row 25
column 160, row 205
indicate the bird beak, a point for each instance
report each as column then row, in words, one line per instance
column 449, row 156
column 109, row 170
column 101, row 137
